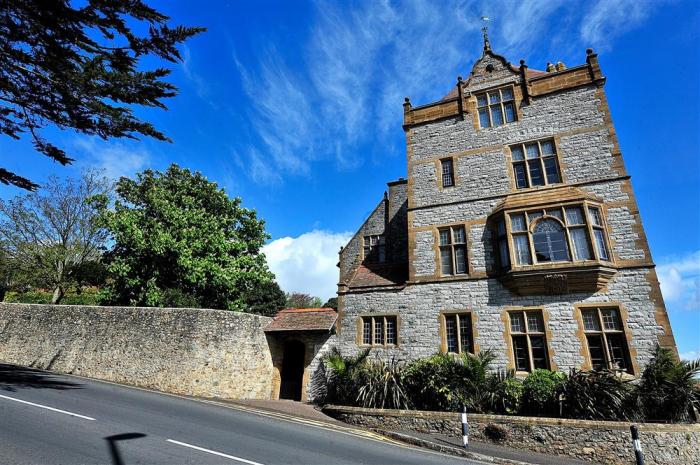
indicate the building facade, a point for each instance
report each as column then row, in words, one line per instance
column 516, row 230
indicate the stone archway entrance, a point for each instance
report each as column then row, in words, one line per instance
column 292, row 370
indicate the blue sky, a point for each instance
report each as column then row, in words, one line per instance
column 296, row 108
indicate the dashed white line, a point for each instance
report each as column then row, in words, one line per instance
column 209, row 451
column 48, row 408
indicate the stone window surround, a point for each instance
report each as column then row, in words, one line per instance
column 587, row 364
column 498, row 88
column 443, row 329
column 505, row 318
column 359, row 339
column 438, row 248
column 472, row 106
column 561, row 165
column 541, row 157
column 381, row 243
column 584, row 205
column 438, row 170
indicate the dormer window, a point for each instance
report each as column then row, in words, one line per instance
column 496, row 107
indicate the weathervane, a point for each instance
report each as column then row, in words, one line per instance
column 485, row 30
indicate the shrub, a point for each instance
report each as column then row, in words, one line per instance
column 447, row 382
column 541, row 391
column 342, row 376
column 506, row 393
column 596, row 395
column 434, row 383
column 88, row 296
column 381, row 385
column 668, row 389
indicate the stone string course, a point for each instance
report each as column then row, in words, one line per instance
column 599, row 441
column 208, row 353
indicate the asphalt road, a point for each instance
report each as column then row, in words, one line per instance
column 47, row 418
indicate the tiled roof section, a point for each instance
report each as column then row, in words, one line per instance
column 303, row 319
column 380, row 275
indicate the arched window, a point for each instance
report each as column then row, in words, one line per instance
column 549, row 240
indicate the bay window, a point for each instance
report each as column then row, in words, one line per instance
column 564, row 233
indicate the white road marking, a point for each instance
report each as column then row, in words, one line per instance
column 48, row 408
column 220, row 454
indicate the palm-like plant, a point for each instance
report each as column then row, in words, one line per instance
column 668, row 389
column 382, row 385
column 342, row 375
column 596, row 395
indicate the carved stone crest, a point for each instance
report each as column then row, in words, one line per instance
column 556, row 283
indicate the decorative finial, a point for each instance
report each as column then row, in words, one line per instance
column 550, row 67
column 485, row 30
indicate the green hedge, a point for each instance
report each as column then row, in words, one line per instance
column 88, row 296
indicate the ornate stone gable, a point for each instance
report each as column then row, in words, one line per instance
column 488, row 69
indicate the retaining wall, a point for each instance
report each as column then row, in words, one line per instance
column 209, row 353
column 599, row 441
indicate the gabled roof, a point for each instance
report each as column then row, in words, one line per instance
column 529, row 73
column 303, row 319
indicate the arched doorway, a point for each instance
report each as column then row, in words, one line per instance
column 292, row 370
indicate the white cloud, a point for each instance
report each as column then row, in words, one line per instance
column 360, row 59
column 608, row 19
column 115, row 159
column 201, row 85
column 690, row 355
column 680, row 280
column 307, row 263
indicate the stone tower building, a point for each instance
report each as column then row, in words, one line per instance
column 517, row 230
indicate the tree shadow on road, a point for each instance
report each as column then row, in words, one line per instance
column 13, row 377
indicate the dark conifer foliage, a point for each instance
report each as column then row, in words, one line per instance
column 77, row 65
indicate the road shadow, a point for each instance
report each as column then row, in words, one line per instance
column 112, row 445
column 13, row 377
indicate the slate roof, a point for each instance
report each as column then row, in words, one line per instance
column 303, row 319
column 391, row 274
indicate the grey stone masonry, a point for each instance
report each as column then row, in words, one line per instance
column 418, row 308
column 569, row 109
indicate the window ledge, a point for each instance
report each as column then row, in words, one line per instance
column 559, row 278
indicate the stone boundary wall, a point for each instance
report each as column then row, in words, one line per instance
column 599, row 441
column 208, row 353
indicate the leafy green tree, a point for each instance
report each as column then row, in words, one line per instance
column 79, row 65
column 177, row 230
column 331, row 303
column 265, row 299
column 301, row 300
column 51, row 234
